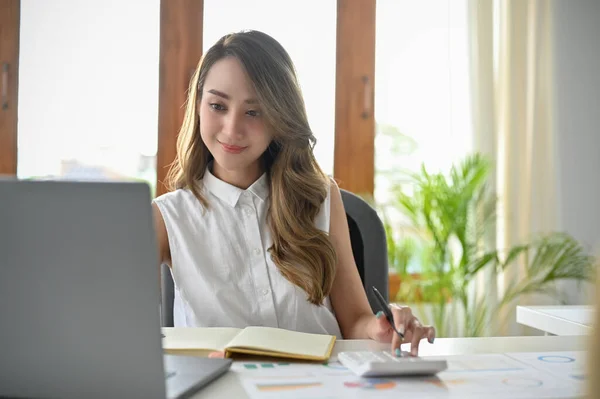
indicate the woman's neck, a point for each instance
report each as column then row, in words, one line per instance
column 239, row 178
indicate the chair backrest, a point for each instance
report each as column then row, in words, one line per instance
column 167, row 296
column 369, row 247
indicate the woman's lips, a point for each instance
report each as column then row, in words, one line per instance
column 233, row 149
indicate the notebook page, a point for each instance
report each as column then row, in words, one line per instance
column 284, row 341
column 197, row 338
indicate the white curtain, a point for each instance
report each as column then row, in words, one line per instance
column 511, row 82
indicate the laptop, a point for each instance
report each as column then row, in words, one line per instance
column 80, row 296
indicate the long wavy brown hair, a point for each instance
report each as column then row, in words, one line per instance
column 298, row 187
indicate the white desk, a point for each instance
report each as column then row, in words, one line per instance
column 557, row 320
column 229, row 386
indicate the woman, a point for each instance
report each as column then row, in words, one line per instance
column 254, row 232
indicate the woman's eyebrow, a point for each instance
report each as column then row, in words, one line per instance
column 226, row 96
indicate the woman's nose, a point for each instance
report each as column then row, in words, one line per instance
column 233, row 126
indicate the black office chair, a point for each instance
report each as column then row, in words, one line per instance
column 167, row 296
column 369, row 247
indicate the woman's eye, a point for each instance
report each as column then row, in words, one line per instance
column 253, row 113
column 217, row 107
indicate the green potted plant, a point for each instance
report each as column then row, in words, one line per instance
column 448, row 219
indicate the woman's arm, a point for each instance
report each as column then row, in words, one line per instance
column 164, row 252
column 349, row 299
column 348, row 296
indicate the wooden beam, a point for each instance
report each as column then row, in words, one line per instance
column 9, row 79
column 180, row 50
column 354, row 152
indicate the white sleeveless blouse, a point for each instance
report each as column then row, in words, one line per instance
column 223, row 274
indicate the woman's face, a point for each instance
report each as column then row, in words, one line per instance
column 231, row 122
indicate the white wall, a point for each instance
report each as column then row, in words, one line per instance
column 577, row 113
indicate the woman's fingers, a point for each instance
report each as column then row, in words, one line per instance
column 218, row 354
column 418, row 332
column 412, row 328
column 430, row 334
column 383, row 327
column 402, row 318
column 396, row 342
column 401, row 315
column 417, row 335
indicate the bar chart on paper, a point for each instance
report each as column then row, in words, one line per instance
column 511, row 375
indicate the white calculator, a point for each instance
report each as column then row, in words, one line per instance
column 379, row 364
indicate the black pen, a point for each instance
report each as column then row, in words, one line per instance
column 386, row 310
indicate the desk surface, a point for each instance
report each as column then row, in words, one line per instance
column 557, row 320
column 229, row 386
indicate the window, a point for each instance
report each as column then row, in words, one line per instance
column 422, row 99
column 88, row 90
column 422, row 106
column 307, row 30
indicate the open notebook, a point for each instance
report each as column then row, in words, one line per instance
column 261, row 341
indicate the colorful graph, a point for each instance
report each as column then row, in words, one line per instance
column 287, row 386
column 445, row 383
column 371, row 383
